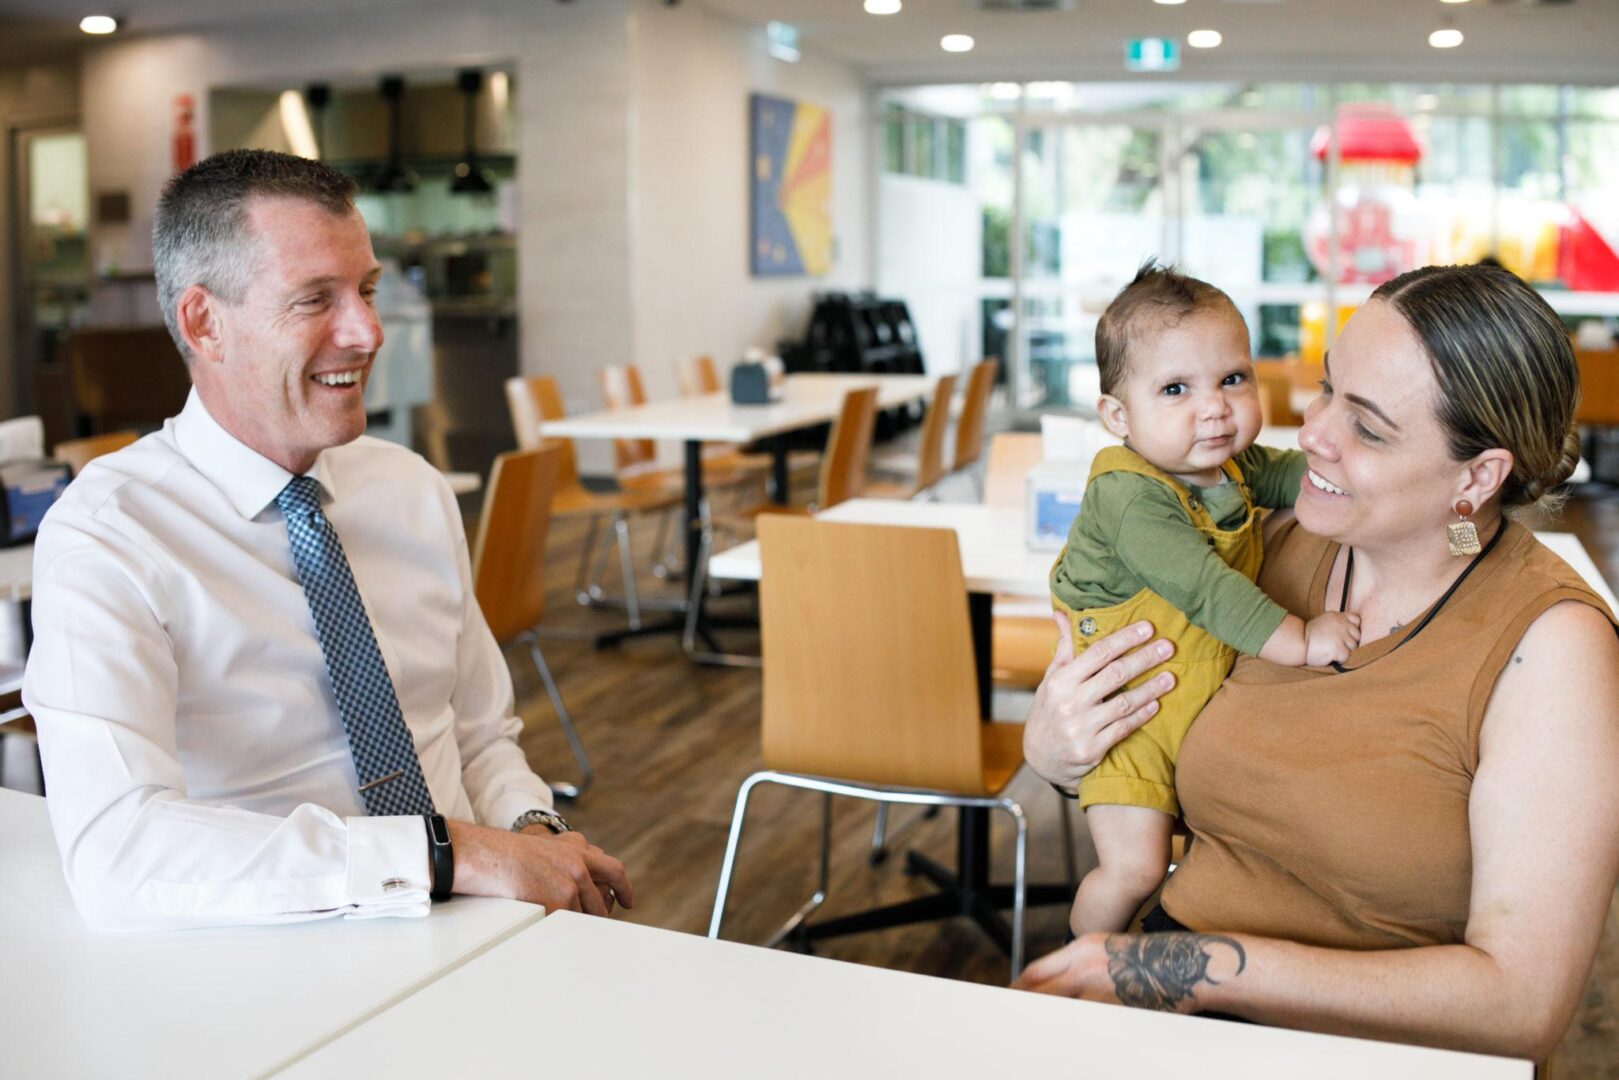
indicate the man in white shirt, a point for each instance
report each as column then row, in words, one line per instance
column 202, row 761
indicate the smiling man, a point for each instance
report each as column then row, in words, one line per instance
column 263, row 686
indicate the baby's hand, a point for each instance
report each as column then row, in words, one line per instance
column 1329, row 637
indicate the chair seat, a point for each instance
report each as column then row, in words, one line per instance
column 1022, row 646
column 573, row 500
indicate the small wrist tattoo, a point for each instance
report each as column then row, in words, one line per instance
column 1160, row 971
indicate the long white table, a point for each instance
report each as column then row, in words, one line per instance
column 203, row 1003
column 581, row 997
column 994, row 558
column 806, row 399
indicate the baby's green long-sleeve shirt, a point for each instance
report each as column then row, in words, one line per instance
column 1132, row 533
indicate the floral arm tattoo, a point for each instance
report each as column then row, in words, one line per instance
column 1159, row 971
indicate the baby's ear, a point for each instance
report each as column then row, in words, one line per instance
column 1115, row 417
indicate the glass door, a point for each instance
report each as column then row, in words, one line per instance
column 52, row 276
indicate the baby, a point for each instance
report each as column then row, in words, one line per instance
column 1169, row 532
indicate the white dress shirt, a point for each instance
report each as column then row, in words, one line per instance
column 196, row 767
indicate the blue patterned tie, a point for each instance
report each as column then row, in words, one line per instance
column 384, row 758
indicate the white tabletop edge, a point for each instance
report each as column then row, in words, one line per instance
column 500, row 935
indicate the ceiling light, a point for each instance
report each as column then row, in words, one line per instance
column 1169, row 3
column 882, row 7
column 1448, row 38
column 1453, row 1
column 1204, row 39
column 956, row 43
column 98, row 24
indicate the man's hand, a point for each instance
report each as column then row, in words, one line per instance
column 563, row 872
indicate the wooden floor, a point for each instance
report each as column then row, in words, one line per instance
column 671, row 742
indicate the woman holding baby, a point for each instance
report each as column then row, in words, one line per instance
column 1418, row 843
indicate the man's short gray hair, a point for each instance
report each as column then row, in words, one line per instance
column 200, row 235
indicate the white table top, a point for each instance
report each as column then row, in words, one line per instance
column 807, row 399
column 995, row 559
column 203, row 1003
column 581, row 997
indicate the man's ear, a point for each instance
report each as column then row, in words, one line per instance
column 1115, row 417
column 198, row 316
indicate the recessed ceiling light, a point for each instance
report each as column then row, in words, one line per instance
column 956, row 43
column 98, row 24
column 1453, row 1
column 882, row 7
column 1447, row 38
column 1204, row 39
column 1169, row 3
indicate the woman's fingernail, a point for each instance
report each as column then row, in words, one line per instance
column 1152, row 707
column 1143, row 629
column 1164, row 648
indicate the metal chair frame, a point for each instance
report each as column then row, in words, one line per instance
column 797, row 925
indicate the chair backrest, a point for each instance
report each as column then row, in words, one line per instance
column 848, row 447
column 1599, row 386
column 78, row 453
column 698, row 376
column 508, row 560
column 930, row 454
column 970, row 428
column 123, row 377
column 868, row 655
column 1011, row 455
column 622, row 389
column 532, row 400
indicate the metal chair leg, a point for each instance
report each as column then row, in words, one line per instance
column 1070, row 859
column 1019, row 883
column 582, row 584
column 817, row 898
column 626, row 563
column 662, row 566
column 586, row 775
column 878, row 851
column 738, row 817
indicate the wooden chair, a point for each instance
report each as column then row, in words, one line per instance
column 885, row 609
column 843, row 477
column 535, row 399
column 508, row 572
column 697, row 376
column 930, row 451
column 1599, row 387
column 77, row 453
column 125, row 377
column 974, row 410
column 1023, row 637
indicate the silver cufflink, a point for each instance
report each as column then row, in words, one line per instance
column 394, row 883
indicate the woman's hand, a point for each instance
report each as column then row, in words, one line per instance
column 1079, row 711
column 1165, row 972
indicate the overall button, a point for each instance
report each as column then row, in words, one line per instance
column 1087, row 626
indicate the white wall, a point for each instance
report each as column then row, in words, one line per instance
column 29, row 96
column 930, row 245
column 693, row 293
column 573, row 83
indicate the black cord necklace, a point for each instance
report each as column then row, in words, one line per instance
column 1349, row 569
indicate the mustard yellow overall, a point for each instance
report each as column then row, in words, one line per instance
column 1140, row 771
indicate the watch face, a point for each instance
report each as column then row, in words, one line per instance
column 438, row 829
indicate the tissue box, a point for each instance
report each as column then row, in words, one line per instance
column 1055, row 490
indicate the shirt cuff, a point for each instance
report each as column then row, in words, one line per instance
column 388, row 871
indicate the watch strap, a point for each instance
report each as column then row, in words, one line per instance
column 441, row 855
column 549, row 818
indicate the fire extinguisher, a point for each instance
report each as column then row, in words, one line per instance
column 185, row 138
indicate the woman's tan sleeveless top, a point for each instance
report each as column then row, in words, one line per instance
column 1331, row 809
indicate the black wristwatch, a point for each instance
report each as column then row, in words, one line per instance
column 443, row 856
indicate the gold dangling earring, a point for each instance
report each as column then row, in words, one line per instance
column 1463, row 535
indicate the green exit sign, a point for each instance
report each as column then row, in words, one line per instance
column 1151, row 54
